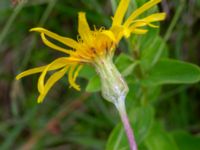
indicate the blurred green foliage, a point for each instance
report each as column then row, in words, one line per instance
column 164, row 117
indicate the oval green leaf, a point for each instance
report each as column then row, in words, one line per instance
column 94, row 84
column 159, row 139
column 169, row 71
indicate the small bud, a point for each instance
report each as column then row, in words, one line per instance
column 113, row 86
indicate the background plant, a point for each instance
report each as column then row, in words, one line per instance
column 163, row 99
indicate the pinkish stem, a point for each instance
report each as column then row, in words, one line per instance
column 129, row 132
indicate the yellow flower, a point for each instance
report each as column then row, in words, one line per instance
column 92, row 46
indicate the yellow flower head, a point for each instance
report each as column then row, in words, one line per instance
column 91, row 46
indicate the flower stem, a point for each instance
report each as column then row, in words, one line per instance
column 124, row 117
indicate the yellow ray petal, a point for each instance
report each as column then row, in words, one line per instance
column 83, row 28
column 41, row 79
column 109, row 34
column 152, row 25
column 48, row 43
column 71, row 78
column 67, row 41
column 30, row 71
column 77, row 72
column 148, row 20
column 44, row 72
column 155, row 17
column 50, row 82
column 126, row 32
column 120, row 12
column 140, row 10
column 139, row 31
column 39, row 69
column 138, row 23
column 118, row 32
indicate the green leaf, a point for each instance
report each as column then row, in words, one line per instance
column 87, row 72
column 125, row 64
column 185, row 141
column 168, row 71
column 141, row 119
column 159, row 139
column 149, row 49
column 94, row 84
column 117, row 139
